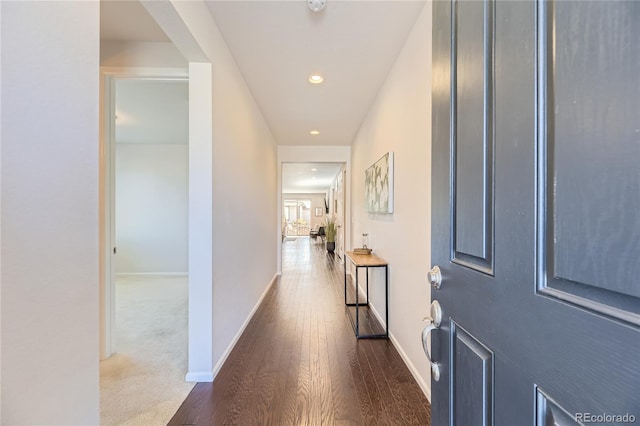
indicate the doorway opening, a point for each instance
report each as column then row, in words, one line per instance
column 147, row 146
column 312, row 194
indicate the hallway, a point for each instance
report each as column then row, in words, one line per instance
column 298, row 361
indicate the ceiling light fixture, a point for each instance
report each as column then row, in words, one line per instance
column 317, row 5
column 314, row 132
column 314, row 170
column 315, row 79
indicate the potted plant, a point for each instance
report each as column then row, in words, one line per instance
column 330, row 232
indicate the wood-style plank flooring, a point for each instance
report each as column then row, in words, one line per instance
column 299, row 363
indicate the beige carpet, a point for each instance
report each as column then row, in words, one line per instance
column 143, row 384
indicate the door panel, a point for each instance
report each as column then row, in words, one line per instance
column 473, row 137
column 473, row 376
column 589, row 157
column 547, row 327
column 549, row 413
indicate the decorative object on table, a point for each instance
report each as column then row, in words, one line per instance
column 365, row 251
column 330, row 232
column 378, row 186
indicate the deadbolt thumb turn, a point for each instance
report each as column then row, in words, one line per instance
column 435, row 277
column 434, row 323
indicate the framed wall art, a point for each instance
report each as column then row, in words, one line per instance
column 378, row 186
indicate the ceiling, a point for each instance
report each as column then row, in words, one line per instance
column 279, row 44
column 308, row 177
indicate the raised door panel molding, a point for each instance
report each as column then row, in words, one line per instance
column 472, row 134
column 589, row 157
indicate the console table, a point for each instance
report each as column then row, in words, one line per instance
column 366, row 261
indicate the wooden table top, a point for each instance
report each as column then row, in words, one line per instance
column 366, row 259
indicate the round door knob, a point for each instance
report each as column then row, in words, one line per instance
column 435, row 277
column 436, row 314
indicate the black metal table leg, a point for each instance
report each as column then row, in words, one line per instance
column 356, row 324
column 345, row 281
column 386, row 299
column 367, row 269
column 357, row 306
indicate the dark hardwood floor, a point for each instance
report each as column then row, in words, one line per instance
column 299, row 363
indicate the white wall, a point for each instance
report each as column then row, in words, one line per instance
column 0, row 216
column 49, row 192
column 127, row 54
column 244, row 182
column 152, row 195
column 200, row 352
column 400, row 121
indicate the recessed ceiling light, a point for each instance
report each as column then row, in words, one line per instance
column 315, row 79
column 314, row 132
column 314, row 170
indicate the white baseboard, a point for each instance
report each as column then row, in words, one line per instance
column 152, row 274
column 199, row 376
column 227, row 352
column 426, row 389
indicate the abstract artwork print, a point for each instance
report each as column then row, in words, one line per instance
column 378, row 186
